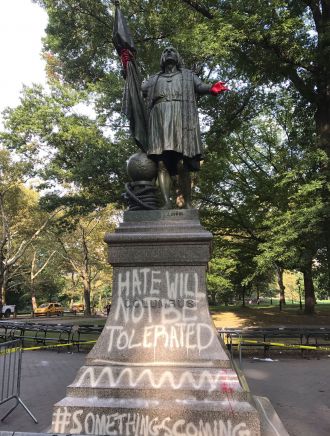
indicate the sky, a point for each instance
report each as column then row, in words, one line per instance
column 22, row 25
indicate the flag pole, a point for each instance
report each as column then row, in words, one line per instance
column 133, row 103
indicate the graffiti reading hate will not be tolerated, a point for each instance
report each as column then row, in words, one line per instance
column 158, row 309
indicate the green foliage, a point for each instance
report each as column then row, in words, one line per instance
column 21, row 220
column 70, row 149
column 80, row 246
column 219, row 279
column 264, row 185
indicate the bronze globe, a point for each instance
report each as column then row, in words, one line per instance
column 140, row 167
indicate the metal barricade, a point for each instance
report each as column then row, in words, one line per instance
column 10, row 375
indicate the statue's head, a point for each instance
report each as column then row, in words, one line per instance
column 170, row 54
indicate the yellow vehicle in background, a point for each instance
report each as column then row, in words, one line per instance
column 49, row 309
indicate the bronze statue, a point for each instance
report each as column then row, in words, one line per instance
column 174, row 140
column 167, row 128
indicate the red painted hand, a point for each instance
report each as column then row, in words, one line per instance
column 125, row 56
column 218, row 87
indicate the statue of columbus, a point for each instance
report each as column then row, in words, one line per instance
column 168, row 129
column 174, row 139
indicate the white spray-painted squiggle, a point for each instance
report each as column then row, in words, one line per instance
column 107, row 377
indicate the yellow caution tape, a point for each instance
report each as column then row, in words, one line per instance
column 42, row 347
column 240, row 341
column 9, row 350
column 279, row 344
column 57, row 345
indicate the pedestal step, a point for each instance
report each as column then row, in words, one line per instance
column 127, row 417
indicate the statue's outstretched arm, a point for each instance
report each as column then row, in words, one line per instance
column 204, row 88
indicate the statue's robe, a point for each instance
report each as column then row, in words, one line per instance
column 173, row 125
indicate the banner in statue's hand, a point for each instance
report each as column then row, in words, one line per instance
column 133, row 104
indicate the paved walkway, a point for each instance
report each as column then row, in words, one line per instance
column 299, row 390
column 45, row 375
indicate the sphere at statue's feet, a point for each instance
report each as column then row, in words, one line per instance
column 140, row 167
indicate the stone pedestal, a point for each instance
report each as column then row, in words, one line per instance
column 158, row 367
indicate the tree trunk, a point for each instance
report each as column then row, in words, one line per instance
column 279, row 274
column 3, row 295
column 87, row 297
column 212, row 299
column 33, row 300
column 32, row 290
column 2, row 280
column 243, row 296
column 309, row 290
column 4, row 283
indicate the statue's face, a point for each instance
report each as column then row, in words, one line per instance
column 170, row 55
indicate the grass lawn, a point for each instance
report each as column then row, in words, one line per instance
column 269, row 315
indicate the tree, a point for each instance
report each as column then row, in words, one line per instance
column 281, row 200
column 294, row 37
column 36, row 268
column 78, row 163
column 36, row 278
column 81, row 246
column 258, row 183
column 21, row 219
column 220, row 275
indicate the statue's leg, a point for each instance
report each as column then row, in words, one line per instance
column 165, row 184
column 185, row 183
